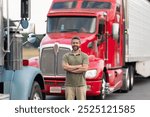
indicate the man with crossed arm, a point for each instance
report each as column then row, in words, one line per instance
column 76, row 64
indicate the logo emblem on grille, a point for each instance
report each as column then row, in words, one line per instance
column 56, row 48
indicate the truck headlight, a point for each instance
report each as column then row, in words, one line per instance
column 90, row 73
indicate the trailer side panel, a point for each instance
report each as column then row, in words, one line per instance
column 138, row 27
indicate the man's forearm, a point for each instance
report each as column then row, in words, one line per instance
column 71, row 67
column 80, row 70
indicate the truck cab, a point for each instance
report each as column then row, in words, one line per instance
column 99, row 24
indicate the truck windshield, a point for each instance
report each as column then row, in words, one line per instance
column 71, row 24
column 96, row 5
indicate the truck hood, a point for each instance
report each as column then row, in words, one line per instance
column 65, row 38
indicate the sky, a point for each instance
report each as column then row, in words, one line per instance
column 39, row 10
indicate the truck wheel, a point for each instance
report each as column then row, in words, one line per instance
column 36, row 93
column 131, row 77
column 102, row 95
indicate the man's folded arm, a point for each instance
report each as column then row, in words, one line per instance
column 81, row 69
column 70, row 68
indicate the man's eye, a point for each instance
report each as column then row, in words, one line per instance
column 75, row 43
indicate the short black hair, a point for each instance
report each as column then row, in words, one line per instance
column 77, row 38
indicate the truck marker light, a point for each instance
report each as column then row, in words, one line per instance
column 25, row 62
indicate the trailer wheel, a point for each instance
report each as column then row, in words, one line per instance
column 36, row 93
column 102, row 95
column 131, row 77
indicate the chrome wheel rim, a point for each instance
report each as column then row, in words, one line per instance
column 36, row 96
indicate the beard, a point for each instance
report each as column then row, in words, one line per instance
column 75, row 48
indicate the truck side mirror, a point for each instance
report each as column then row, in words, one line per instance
column 31, row 39
column 25, row 9
column 25, row 12
column 115, row 31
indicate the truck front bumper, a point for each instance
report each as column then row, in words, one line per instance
column 56, row 87
column 93, row 87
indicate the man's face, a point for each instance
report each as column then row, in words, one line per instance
column 75, row 44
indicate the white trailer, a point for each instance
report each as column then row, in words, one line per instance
column 137, row 24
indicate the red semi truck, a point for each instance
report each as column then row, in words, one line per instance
column 114, row 34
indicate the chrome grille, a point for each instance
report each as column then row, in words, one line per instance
column 51, row 61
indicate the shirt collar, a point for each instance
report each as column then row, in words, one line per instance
column 75, row 54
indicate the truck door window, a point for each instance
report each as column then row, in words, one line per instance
column 64, row 5
column 101, row 28
column 101, row 32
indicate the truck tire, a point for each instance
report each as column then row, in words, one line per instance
column 36, row 93
column 131, row 77
column 102, row 95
